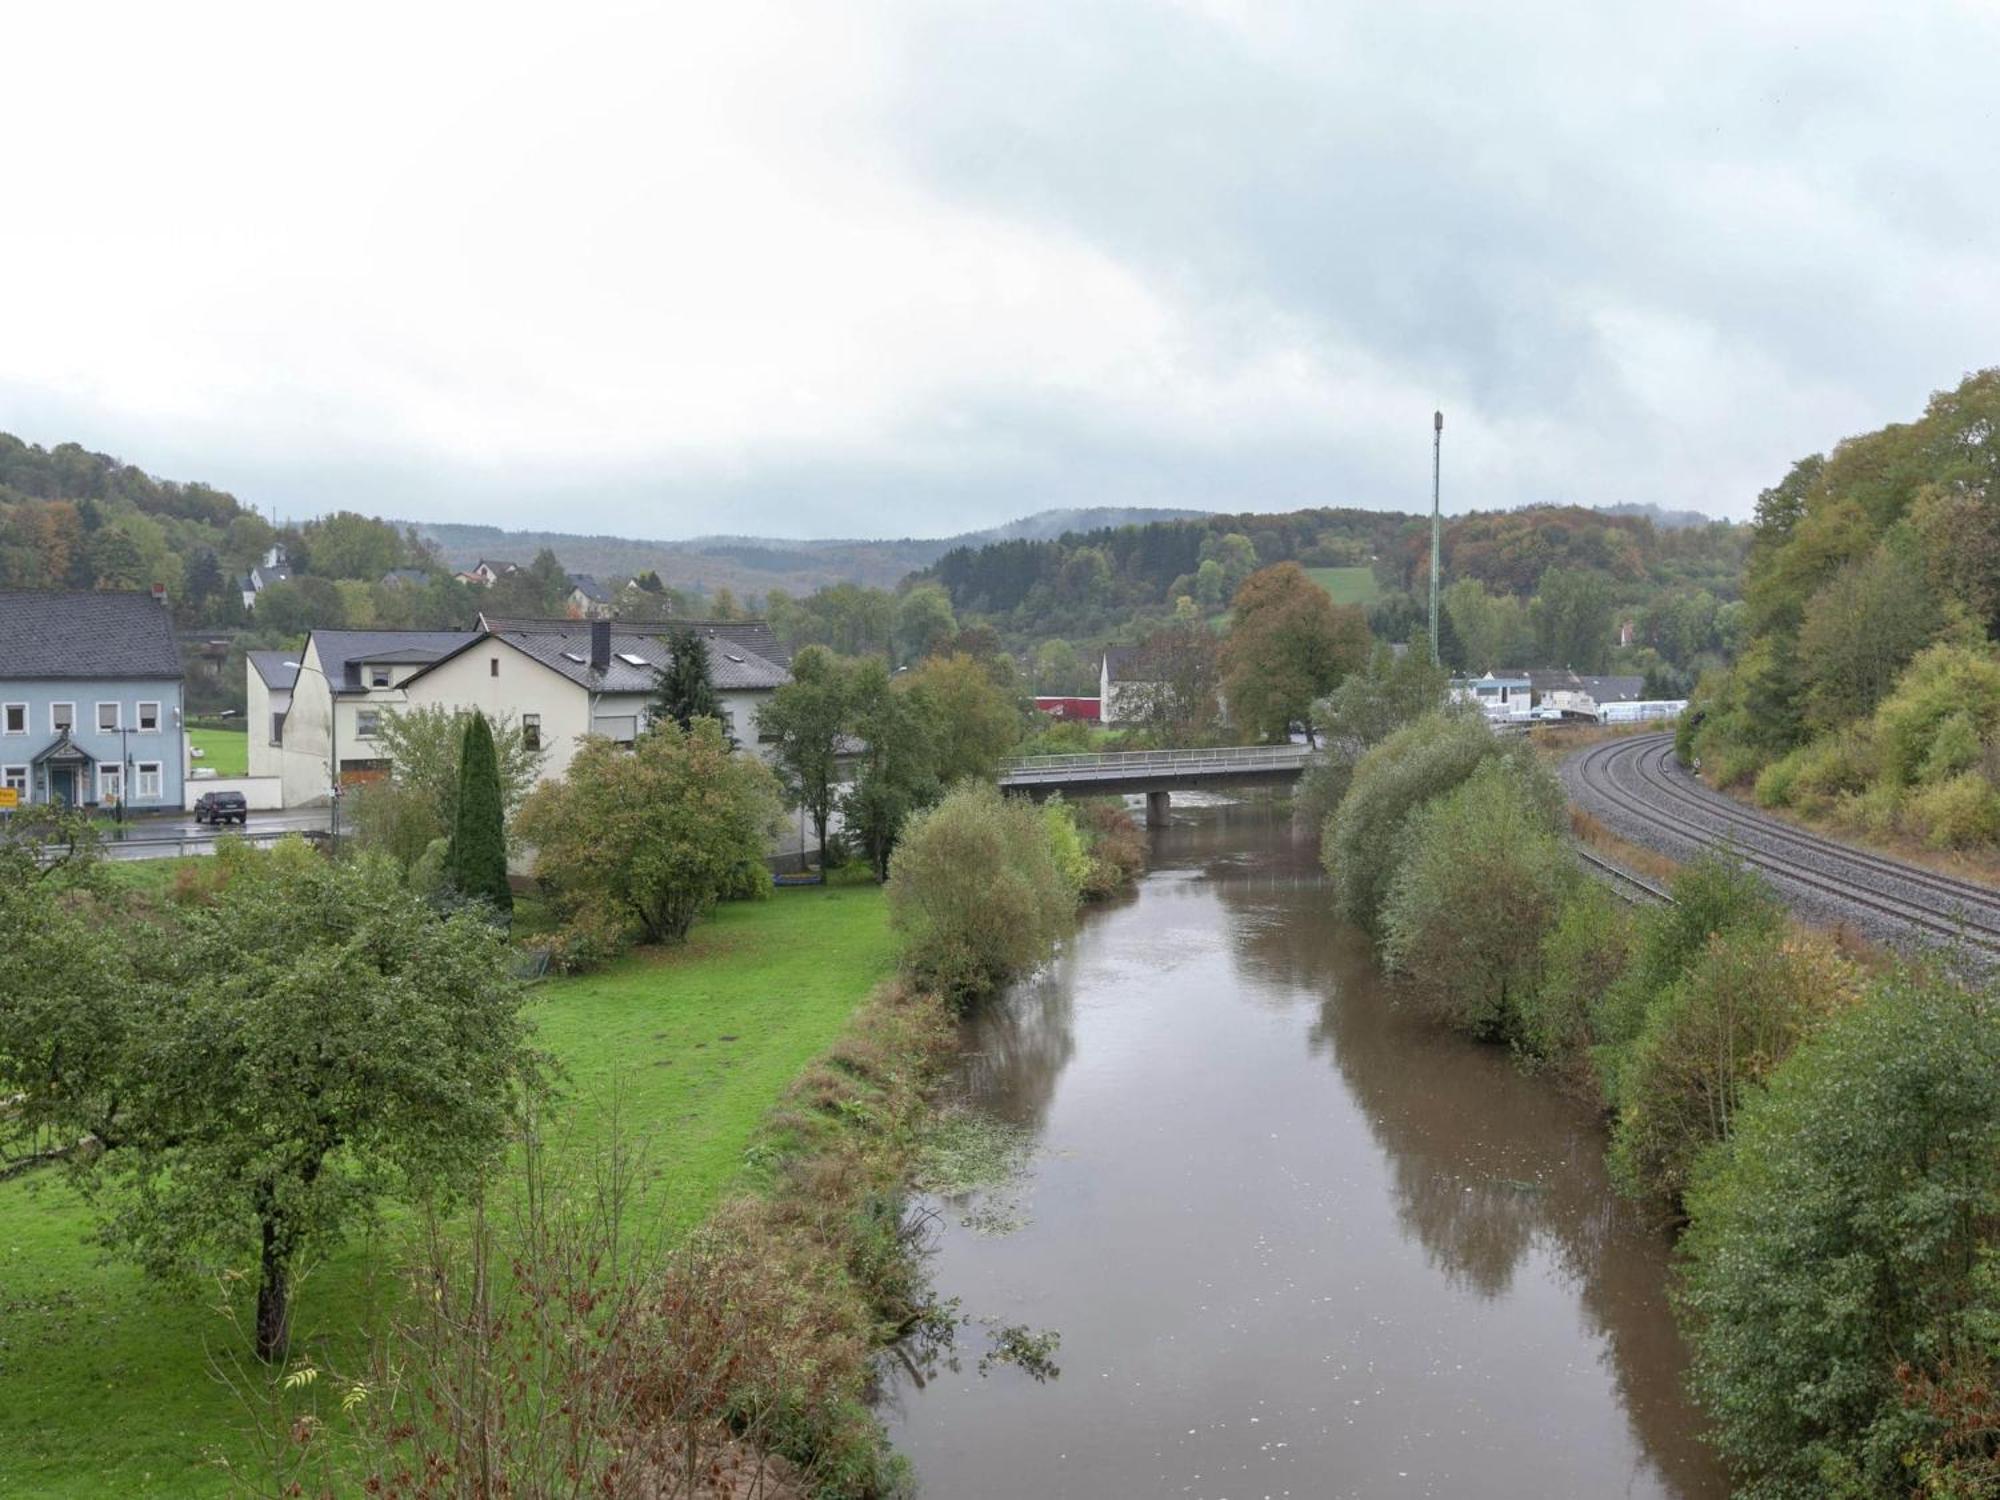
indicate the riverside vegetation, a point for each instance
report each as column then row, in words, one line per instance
column 1827, row 1140
column 519, row 1287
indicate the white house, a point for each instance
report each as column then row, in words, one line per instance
column 587, row 598
column 267, row 700
column 275, row 567
column 559, row 679
column 1125, row 690
column 485, row 574
column 1502, row 696
column 345, row 680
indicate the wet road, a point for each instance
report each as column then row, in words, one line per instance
column 1296, row 1242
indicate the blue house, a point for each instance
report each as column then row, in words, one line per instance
column 91, row 700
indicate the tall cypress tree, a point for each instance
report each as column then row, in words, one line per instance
column 476, row 860
column 683, row 690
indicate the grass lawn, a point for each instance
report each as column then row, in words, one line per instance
column 105, row 1387
column 223, row 751
column 1347, row 585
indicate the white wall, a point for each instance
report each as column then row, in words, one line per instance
column 522, row 686
column 260, row 793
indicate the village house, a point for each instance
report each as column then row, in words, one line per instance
column 587, row 598
column 274, row 568
column 558, row 679
column 484, row 574
column 91, row 700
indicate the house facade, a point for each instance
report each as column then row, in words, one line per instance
column 588, row 599
column 268, row 699
column 92, row 700
column 558, row 679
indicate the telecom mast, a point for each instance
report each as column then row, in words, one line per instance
column 1437, row 451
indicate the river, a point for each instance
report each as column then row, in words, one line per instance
column 1296, row 1241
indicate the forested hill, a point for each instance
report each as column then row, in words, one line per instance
column 1675, row 583
column 751, row 565
column 1867, row 690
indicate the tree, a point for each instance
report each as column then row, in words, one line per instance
column 320, row 1041
column 1177, row 683
column 1363, row 711
column 897, row 771
column 424, row 747
column 803, row 722
column 651, row 837
column 1839, row 1285
column 977, row 890
column 1858, row 633
column 1289, row 646
column 1484, row 875
column 1058, row 668
column 1361, row 845
column 974, row 717
column 1572, row 617
column 346, row 545
column 683, row 687
column 476, row 861
column 925, row 622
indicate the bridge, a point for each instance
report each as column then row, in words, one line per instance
column 1157, row 773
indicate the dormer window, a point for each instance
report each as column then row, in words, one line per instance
column 378, row 677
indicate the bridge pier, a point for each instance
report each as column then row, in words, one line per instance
column 1157, row 806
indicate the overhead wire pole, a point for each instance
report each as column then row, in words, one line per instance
column 1437, row 453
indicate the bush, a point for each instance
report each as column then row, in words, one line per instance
column 976, row 887
column 647, row 839
column 1117, row 848
column 1485, row 874
column 1839, row 1255
column 1711, row 895
column 1955, row 814
column 1359, row 714
column 1943, row 683
column 1363, row 841
column 1591, row 941
column 1066, row 843
column 1738, row 1013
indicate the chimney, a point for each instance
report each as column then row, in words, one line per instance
column 159, row 593
column 600, row 645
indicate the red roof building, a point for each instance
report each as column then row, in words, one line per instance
column 1086, row 709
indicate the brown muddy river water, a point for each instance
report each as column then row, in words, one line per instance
column 1296, row 1242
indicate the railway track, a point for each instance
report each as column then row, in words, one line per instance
column 1632, row 784
column 1624, row 884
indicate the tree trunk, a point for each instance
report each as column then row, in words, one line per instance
column 274, row 1299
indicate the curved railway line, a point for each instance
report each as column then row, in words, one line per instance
column 1633, row 786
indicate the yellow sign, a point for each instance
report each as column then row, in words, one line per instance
column 10, row 797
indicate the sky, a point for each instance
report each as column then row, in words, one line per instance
column 875, row 268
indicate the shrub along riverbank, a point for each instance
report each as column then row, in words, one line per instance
column 1829, row 1141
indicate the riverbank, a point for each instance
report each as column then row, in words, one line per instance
column 105, row 1382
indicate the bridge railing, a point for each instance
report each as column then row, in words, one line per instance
column 1153, row 762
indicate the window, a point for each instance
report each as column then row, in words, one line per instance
column 148, row 789
column 493, row 666
column 62, row 717
column 107, row 718
column 378, row 677
column 531, row 731
column 366, row 723
column 15, row 777
column 15, row 720
column 110, row 783
column 149, row 718
column 277, row 729
column 632, row 660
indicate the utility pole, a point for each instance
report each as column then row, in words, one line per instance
column 1437, row 453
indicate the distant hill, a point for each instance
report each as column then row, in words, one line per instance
column 1666, row 520
column 751, row 564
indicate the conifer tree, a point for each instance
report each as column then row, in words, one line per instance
column 476, row 861
column 683, row 690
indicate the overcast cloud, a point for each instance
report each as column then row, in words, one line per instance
column 867, row 268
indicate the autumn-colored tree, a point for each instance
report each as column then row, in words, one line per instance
column 1289, row 645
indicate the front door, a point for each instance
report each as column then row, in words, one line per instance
column 62, row 785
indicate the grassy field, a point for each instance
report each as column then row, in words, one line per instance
column 223, row 751
column 1347, row 585
column 105, row 1383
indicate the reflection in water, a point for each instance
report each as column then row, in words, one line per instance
column 1295, row 1239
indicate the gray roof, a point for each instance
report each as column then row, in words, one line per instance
column 1120, row 660
column 1615, row 689
column 265, row 574
column 755, row 636
column 735, row 662
column 100, row 636
column 341, row 652
column 589, row 587
column 279, row 669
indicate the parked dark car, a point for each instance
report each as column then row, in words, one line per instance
column 221, row 807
